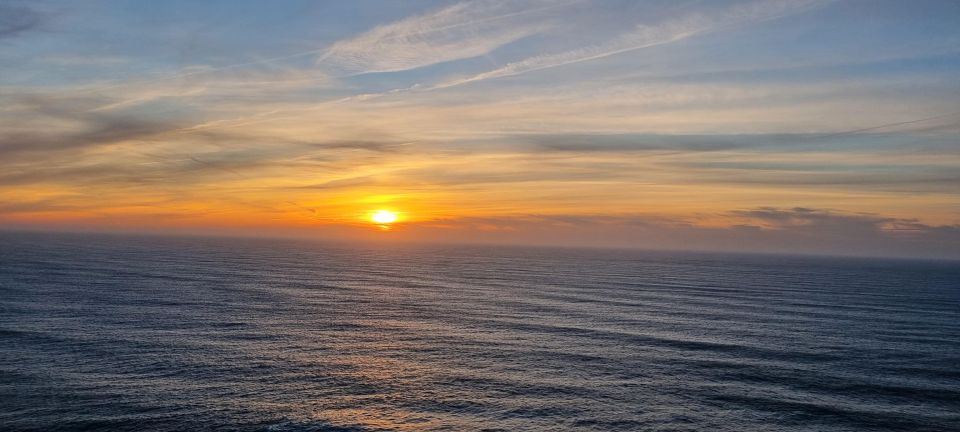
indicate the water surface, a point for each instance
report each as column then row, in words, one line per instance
column 167, row 334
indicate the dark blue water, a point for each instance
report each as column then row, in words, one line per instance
column 165, row 334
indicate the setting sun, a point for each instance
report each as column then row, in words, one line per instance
column 384, row 216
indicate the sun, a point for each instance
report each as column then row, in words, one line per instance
column 383, row 217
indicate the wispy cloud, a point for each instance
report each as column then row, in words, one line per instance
column 16, row 18
column 464, row 30
column 102, row 131
column 648, row 35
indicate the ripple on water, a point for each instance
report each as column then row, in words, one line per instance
column 167, row 334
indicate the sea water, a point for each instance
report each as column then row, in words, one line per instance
column 139, row 333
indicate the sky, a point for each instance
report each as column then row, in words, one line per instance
column 799, row 126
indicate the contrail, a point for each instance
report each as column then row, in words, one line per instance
column 205, row 71
column 309, row 209
column 215, row 166
column 888, row 125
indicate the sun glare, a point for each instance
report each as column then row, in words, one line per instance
column 383, row 217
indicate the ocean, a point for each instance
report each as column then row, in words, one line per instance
column 147, row 333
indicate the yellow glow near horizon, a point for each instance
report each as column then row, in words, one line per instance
column 384, row 217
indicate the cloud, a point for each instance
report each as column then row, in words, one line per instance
column 645, row 36
column 802, row 216
column 82, row 174
column 32, row 206
column 460, row 31
column 101, row 130
column 344, row 183
column 360, row 144
column 46, row 125
column 630, row 142
column 59, row 140
column 796, row 230
column 16, row 19
column 928, row 178
column 156, row 155
column 856, row 139
column 809, row 225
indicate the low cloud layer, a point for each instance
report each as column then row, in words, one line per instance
column 765, row 229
